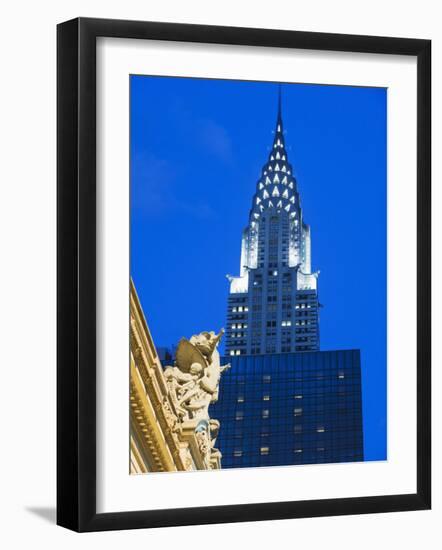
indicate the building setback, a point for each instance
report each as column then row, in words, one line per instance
column 291, row 408
column 273, row 303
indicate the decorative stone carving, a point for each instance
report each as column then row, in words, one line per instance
column 203, row 439
column 170, row 416
column 188, row 463
column 194, row 380
column 193, row 384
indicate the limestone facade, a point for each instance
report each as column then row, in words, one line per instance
column 170, row 429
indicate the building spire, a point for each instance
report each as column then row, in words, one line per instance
column 279, row 131
column 279, row 104
column 276, row 187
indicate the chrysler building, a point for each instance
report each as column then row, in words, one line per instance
column 273, row 303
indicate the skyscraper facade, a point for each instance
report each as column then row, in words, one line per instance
column 273, row 303
column 291, row 408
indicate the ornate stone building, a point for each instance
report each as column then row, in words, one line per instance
column 170, row 426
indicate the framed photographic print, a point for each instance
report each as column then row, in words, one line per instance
column 243, row 274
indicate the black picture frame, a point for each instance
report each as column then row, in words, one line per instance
column 76, row 274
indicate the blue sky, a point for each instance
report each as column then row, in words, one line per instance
column 197, row 149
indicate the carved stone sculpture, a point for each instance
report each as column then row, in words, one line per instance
column 194, row 384
column 194, row 380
